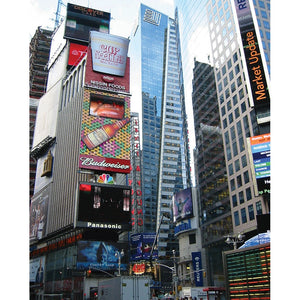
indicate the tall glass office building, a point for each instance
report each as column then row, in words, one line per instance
column 211, row 35
column 156, row 83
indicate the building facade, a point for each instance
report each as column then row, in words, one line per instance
column 165, row 152
column 81, row 205
column 39, row 51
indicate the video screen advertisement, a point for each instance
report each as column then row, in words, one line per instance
column 104, row 206
column 81, row 20
column 183, row 205
column 141, row 245
column 98, row 255
column 252, row 52
column 261, row 155
column 105, row 127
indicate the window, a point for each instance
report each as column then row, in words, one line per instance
column 251, row 212
column 248, row 194
column 239, row 181
column 232, row 184
column 237, row 165
column 241, row 197
column 224, row 123
column 236, row 218
column 234, row 98
column 223, row 111
column 234, row 201
column 244, row 216
column 242, row 144
column 243, row 107
column 237, row 112
column 228, row 152
column 244, row 160
column 234, row 148
column 246, row 177
column 230, row 169
column 258, row 208
column 192, row 238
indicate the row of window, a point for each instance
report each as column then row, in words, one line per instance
column 241, row 217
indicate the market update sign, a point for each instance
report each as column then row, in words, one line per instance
column 109, row 53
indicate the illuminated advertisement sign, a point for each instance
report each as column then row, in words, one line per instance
column 109, row 53
column 103, row 81
column 38, row 215
column 185, row 225
column 76, row 53
column 81, row 20
column 182, row 205
column 141, row 245
column 197, row 266
column 261, row 155
column 97, row 255
column 105, row 132
column 104, row 206
column 257, row 77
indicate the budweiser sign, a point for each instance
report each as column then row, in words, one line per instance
column 104, row 164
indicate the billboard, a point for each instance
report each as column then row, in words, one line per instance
column 252, row 52
column 38, row 215
column 100, row 255
column 104, row 206
column 76, row 53
column 103, row 81
column 182, row 205
column 37, row 267
column 261, row 155
column 105, row 132
column 109, row 53
column 81, row 20
column 141, row 245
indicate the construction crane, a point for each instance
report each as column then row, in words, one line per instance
column 57, row 14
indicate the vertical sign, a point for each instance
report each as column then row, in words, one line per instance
column 197, row 265
column 257, row 77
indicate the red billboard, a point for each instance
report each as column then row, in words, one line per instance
column 76, row 53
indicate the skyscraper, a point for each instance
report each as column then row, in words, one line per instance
column 165, row 151
column 217, row 33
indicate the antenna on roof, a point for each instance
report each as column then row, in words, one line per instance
column 57, row 14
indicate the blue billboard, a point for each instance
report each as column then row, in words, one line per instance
column 197, row 265
column 100, row 255
column 183, row 205
column 141, row 245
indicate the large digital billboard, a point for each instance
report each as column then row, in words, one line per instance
column 261, row 155
column 104, row 206
column 141, row 245
column 97, row 255
column 81, row 20
column 182, row 205
column 252, row 52
column 105, row 132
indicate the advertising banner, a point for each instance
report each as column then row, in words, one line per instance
column 76, row 53
column 183, row 205
column 261, row 155
column 252, row 52
column 109, row 53
column 38, row 215
column 104, row 206
column 105, row 132
column 37, row 267
column 107, row 82
column 98, row 255
column 197, row 265
column 141, row 245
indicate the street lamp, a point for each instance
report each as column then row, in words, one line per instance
column 119, row 255
column 234, row 240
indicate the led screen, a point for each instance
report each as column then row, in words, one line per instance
column 104, row 204
column 81, row 20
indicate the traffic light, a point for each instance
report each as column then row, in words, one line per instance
column 88, row 273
